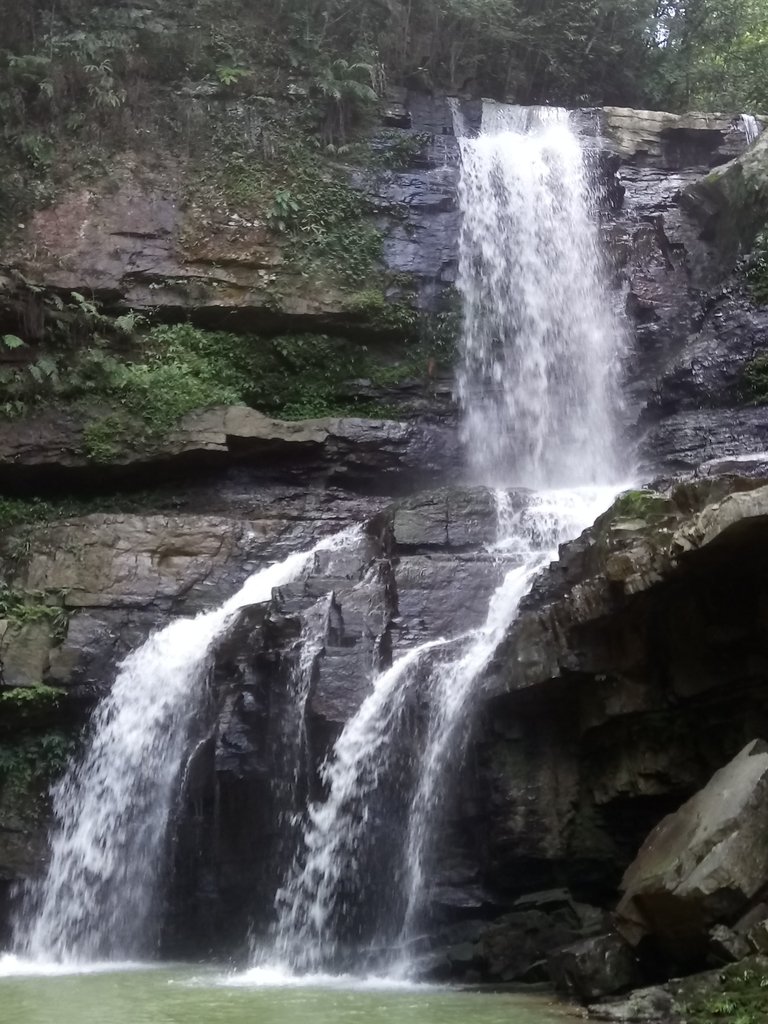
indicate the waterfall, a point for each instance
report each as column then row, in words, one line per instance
column 541, row 340
column 537, row 384
column 751, row 127
column 99, row 896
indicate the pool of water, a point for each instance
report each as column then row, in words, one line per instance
column 206, row 995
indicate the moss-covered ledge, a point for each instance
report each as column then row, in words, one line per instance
column 51, row 450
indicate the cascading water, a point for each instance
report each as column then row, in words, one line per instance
column 751, row 127
column 98, row 899
column 537, row 380
column 309, row 901
column 537, row 386
column 551, row 518
column 541, row 344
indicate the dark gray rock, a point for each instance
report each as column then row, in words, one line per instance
column 726, row 945
column 709, row 370
column 596, row 967
column 711, row 440
column 704, row 864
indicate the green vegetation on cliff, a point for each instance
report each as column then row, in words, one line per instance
column 756, row 268
column 133, row 392
column 29, row 761
column 740, row 997
column 756, row 379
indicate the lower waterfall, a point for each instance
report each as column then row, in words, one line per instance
column 331, row 873
column 99, row 897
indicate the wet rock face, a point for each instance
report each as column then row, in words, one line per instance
column 595, row 967
column 636, row 668
column 690, row 343
column 148, row 237
column 341, row 626
column 694, row 332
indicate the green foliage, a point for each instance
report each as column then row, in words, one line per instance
column 285, row 210
column 75, row 68
column 399, row 150
column 756, row 269
column 33, row 761
column 19, row 607
column 293, row 377
column 739, row 998
column 347, row 89
column 131, row 389
column 710, row 55
column 21, row 512
column 325, row 223
column 43, row 371
column 645, row 505
column 756, row 379
column 230, row 76
column 29, row 703
column 105, row 437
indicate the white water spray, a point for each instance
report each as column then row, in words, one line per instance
column 751, row 127
column 98, row 898
column 309, row 899
column 541, row 339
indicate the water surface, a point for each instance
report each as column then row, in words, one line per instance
column 188, row 995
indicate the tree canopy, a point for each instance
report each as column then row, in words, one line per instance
column 662, row 53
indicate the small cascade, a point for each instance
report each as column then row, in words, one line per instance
column 289, row 755
column 751, row 127
column 541, row 338
column 533, row 536
column 335, row 871
column 309, row 901
column 99, row 896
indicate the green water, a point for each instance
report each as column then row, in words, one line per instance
column 187, row 995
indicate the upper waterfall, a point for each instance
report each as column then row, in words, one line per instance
column 542, row 338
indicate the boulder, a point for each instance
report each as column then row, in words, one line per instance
column 673, row 140
column 702, row 865
column 736, row 992
column 731, row 203
column 25, row 653
column 726, row 945
column 595, row 967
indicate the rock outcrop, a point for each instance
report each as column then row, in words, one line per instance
column 731, row 203
column 704, row 865
column 634, row 671
column 358, row 453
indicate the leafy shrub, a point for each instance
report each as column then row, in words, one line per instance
column 756, row 268
column 34, row 760
column 756, row 378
